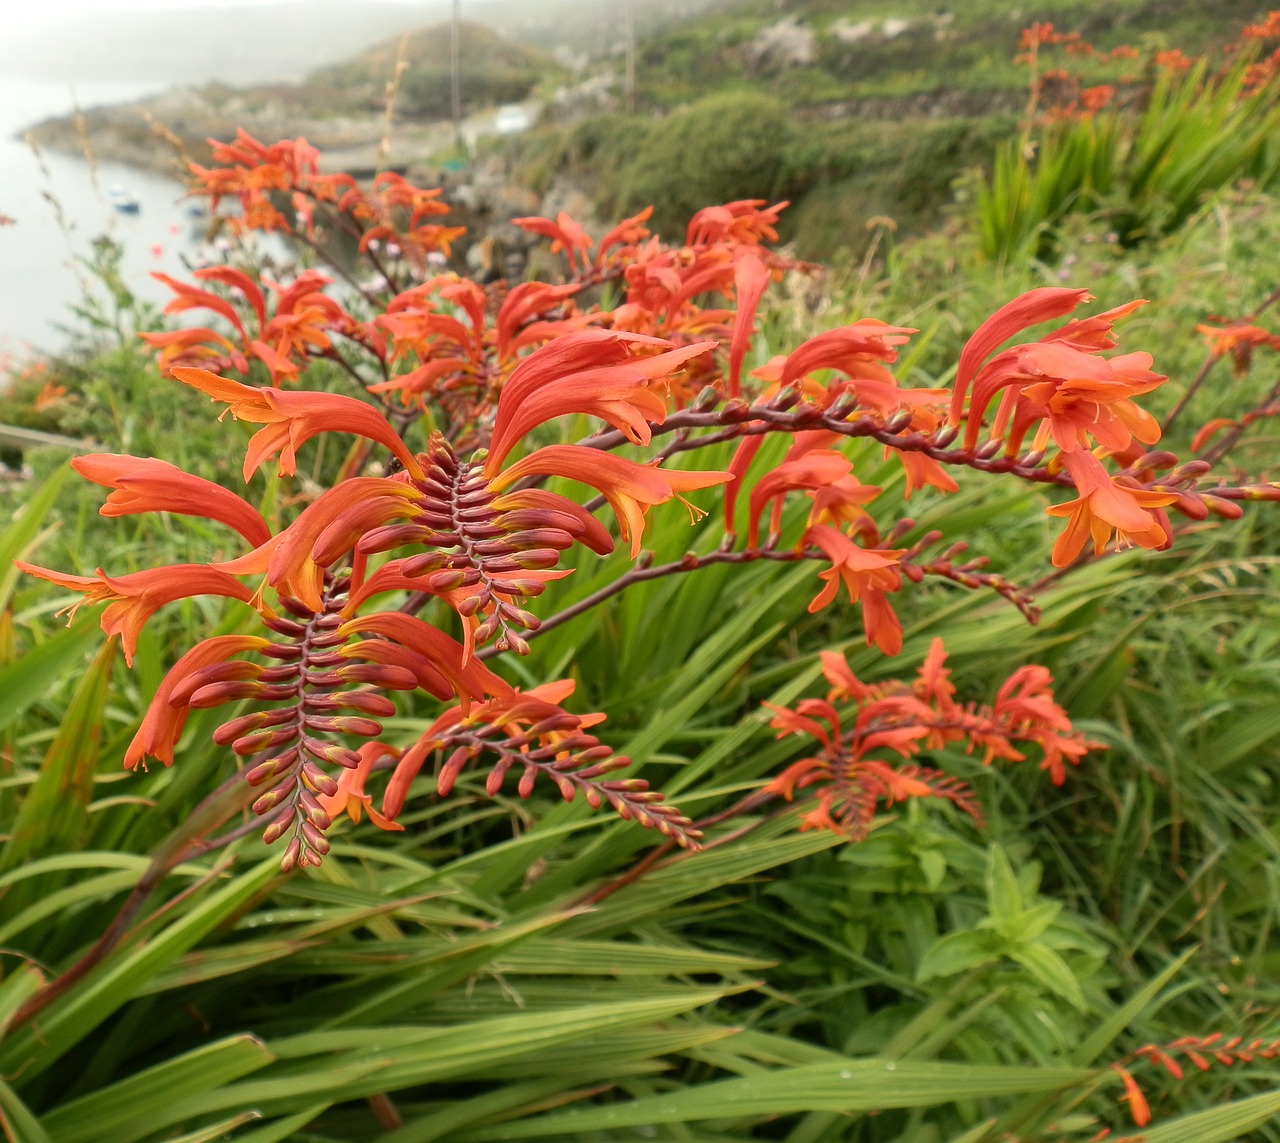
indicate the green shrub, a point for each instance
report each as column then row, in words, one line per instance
column 724, row 147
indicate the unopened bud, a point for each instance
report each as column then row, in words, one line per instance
column 787, row 398
column 251, row 744
column 899, row 421
column 272, row 767
column 279, row 825
column 708, row 398
column 296, row 607
column 290, row 858
column 318, row 780
column 314, row 838
column 274, row 796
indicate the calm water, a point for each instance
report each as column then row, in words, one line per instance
column 38, row 279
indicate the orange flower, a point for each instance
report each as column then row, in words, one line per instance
column 741, row 222
column 150, row 485
column 292, row 419
column 1011, row 318
column 1239, row 342
column 565, row 234
column 630, row 488
column 867, row 576
column 134, row 598
column 816, row 470
column 1082, row 396
column 751, row 277
column 594, row 372
column 1106, row 504
column 350, row 797
column 162, row 724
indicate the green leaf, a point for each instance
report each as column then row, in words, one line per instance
column 16, row 1120
column 20, row 536
column 1051, row 971
column 90, row 1001
column 850, row 1085
column 53, row 814
column 1004, row 898
column 35, row 673
column 957, row 952
column 1101, row 1038
column 148, row 1096
column 218, row 1130
column 1218, row 1124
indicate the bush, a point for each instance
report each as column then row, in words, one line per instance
column 725, row 147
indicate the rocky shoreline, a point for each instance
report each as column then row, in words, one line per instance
column 166, row 132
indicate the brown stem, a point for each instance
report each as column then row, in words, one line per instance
column 1231, row 438
column 1196, row 382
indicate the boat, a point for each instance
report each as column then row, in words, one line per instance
column 123, row 201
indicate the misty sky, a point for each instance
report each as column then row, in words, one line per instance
column 58, row 11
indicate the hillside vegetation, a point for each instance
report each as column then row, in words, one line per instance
column 496, row 71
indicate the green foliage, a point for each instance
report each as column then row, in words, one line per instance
column 724, row 147
column 1147, row 173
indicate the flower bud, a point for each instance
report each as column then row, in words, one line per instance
column 318, row 780
column 250, row 744
column 314, row 838
column 290, row 858
column 274, row 796
column 259, row 719
column 272, row 767
column 279, row 825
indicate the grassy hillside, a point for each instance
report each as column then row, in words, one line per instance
column 852, row 110
column 494, row 70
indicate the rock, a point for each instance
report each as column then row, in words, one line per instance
column 788, row 43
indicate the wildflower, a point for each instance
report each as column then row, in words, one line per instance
column 867, row 576
column 594, row 372
column 350, row 798
column 150, row 485
column 1237, row 341
column 1107, row 504
column 630, row 488
column 132, row 599
column 292, row 419
column 163, row 722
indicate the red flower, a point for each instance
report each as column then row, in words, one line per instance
column 630, row 488
column 867, row 576
column 134, row 598
column 150, row 485
column 292, row 419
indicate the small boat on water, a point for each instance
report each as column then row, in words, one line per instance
column 123, row 201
